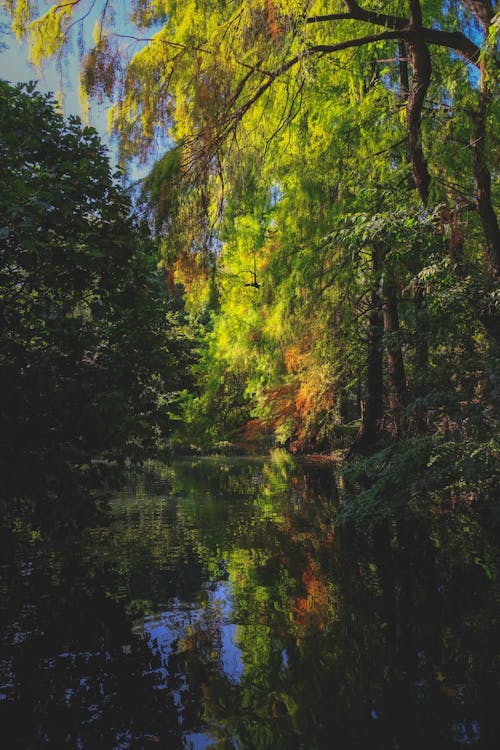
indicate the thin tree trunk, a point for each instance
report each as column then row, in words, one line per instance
column 404, row 88
column 372, row 406
column 422, row 329
column 395, row 364
column 422, row 69
column 421, row 351
column 482, row 179
column 421, row 317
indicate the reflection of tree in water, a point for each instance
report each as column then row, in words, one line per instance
column 265, row 627
column 387, row 640
column 72, row 674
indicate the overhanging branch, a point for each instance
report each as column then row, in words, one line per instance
column 313, row 50
column 482, row 10
column 455, row 40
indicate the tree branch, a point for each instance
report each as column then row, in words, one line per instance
column 349, row 43
column 455, row 41
column 330, row 17
column 380, row 19
column 422, row 69
column 482, row 10
column 313, row 50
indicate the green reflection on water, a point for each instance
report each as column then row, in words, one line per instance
column 221, row 607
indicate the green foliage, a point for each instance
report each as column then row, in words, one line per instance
column 92, row 348
column 410, row 477
column 288, row 209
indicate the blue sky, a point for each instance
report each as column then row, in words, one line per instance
column 14, row 67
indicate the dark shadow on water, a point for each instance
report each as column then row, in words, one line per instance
column 220, row 606
column 72, row 674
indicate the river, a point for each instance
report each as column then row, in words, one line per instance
column 220, row 605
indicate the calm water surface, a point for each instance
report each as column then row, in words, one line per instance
column 221, row 607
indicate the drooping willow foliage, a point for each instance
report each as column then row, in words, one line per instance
column 328, row 201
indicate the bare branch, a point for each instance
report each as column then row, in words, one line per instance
column 349, row 43
column 103, row 18
column 82, row 18
column 330, row 17
column 456, row 41
column 379, row 19
column 67, row 5
column 157, row 40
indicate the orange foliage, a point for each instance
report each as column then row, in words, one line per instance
column 281, row 401
column 296, row 355
column 312, row 610
column 312, row 396
column 297, row 403
column 256, row 428
column 188, row 268
column 170, row 279
column 274, row 26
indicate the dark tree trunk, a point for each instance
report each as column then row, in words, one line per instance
column 482, row 179
column 422, row 69
column 404, row 89
column 483, row 11
column 395, row 364
column 421, row 351
column 422, row 331
column 404, row 93
column 372, row 406
column 480, row 301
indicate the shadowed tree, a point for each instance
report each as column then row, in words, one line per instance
column 92, row 349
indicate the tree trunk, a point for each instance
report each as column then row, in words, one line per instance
column 482, row 179
column 395, row 364
column 421, row 351
column 422, row 331
column 372, row 406
column 422, row 69
column 404, row 78
column 483, row 11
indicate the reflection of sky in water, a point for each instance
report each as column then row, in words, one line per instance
column 166, row 629
column 233, row 663
column 201, row 741
column 197, row 741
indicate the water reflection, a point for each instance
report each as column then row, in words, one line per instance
column 221, row 607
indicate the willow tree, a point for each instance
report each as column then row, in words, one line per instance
column 398, row 98
column 205, row 65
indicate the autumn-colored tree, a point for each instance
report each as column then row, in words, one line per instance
column 300, row 131
column 206, row 65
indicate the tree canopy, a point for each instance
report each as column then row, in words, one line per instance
column 328, row 199
column 209, row 71
column 91, row 346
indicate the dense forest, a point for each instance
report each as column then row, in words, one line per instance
column 321, row 206
column 249, row 378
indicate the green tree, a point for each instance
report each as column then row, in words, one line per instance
column 208, row 67
column 291, row 119
column 92, row 348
